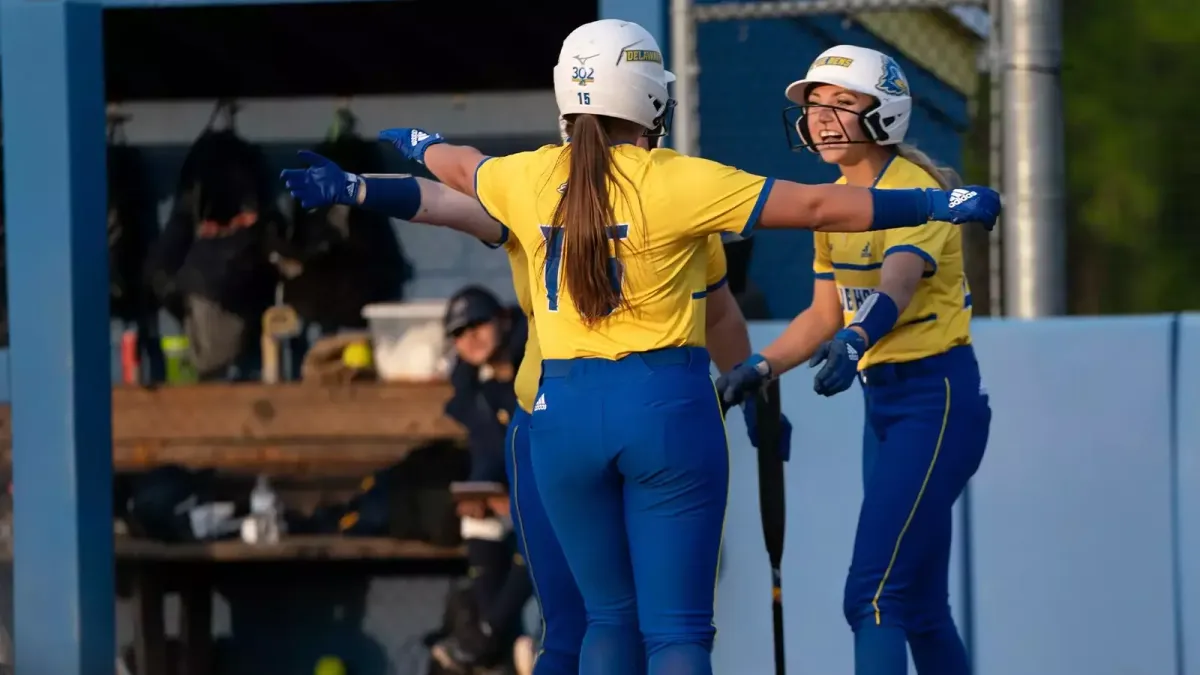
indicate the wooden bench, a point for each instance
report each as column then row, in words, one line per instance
column 294, row 429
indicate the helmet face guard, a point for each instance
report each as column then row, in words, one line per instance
column 795, row 127
column 662, row 125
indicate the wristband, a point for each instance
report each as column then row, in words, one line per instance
column 396, row 197
column 876, row 316
column 899, row 208
column 760, row 365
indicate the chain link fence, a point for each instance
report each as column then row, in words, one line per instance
column 955, row 41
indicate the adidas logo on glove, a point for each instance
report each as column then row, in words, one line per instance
column 418, row 136
column 959, row 196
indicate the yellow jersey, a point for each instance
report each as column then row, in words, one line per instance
column 939, row 315
column 666, row 205
column 530, row 372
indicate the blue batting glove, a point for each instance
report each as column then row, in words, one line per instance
column 323, row 183
column 840, row 356
column 750, row 412
column 411, row 142
column 970, row 204
column 745, row 378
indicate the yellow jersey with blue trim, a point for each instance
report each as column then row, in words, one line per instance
column 939, row 315
column 530, row 372
column 666, row 206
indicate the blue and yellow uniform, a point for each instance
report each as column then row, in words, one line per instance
column 564, row 619
column 927, row 420
column 627, row 437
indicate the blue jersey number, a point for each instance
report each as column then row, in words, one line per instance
column 554, row 246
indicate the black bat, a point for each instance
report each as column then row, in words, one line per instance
column 772, row 504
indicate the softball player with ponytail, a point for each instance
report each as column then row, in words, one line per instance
column 627, row 437
column 563, row 614
column 893, row 310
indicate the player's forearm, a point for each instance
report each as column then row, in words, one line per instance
column 800, row 340
column 727, row 336
column 393, row 196
column 436, row 204
column 842, row 208
column 899, row 277
column 442, row 205
column 454, row 165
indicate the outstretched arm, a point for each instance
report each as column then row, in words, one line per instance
column 402, row 196
column 454, row 165
column 439, row 205
column 725, row 199
column 846, row 208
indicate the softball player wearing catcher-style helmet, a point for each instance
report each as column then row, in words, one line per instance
column 893, row 310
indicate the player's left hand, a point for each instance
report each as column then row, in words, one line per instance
column 323, row 183
column 411, row 142
column 970, row 204
column 840, row 356
column 743, row 379
column 750, row 412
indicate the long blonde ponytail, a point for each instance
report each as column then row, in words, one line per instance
column 947, row 178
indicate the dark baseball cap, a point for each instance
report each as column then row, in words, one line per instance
column 470, row 306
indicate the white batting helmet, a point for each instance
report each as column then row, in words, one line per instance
column 613, row 68
column 864, row 71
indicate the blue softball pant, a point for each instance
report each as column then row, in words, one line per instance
column 926, row 430
column 632, row 465
column 564, row 619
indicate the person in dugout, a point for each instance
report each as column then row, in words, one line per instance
column 489, row 341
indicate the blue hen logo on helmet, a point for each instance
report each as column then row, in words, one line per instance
column 892, row 81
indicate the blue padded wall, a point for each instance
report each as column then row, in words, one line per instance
column 1072, row 556
column 1071, row 510
column 824, row 489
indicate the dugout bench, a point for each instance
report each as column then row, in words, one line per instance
column 288, row 430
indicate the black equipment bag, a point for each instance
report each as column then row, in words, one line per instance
column 210, row 266
column 335, row 260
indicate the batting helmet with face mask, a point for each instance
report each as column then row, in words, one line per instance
column 860, row 70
